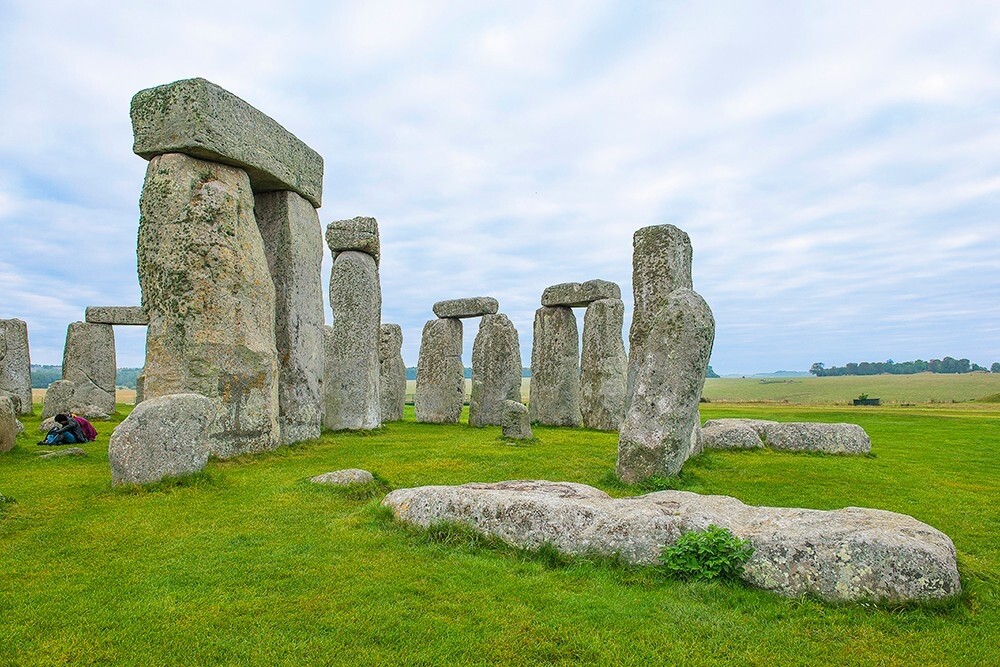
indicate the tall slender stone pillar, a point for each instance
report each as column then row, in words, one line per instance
column 440, row 373
column 15, row 364
column 555, row 368
column 392, row 372
column 88, row 373
column 496, row 370
column 603, row 366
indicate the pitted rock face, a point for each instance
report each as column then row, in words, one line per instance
column 603, row 366
column 15, row 364
column 580, row 294
column 392, row 372
column 555, row 368
column 89, row 365
column 514, row 420
column 496, row 370
column 724, row 436
column 348, row 477
column 850, row 554
column 476, row 306
column 836, row 438
column 440, row 373
column 359, row 234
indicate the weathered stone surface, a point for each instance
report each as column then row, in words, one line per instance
column 163, row 436
column 140, row 388
column 392, row 372
column 660, row 430
column 121, row 315
column 759, row 426
column 496, row 370
column 293, row 244
column 15, row 364
column 210, row 299
column 661, row 263
column 58, row 399
column 514, row 420
column 440, row 374
column 346, row 477
column 837, row 438
column 351, row 388
column 49, row 422
column 580, row 294
column 603, row 366
column 62, row 453
column 555, row 368
column 358, row 233
column 730, row 436
column 198, row 118
column 476, row 306
column 89, row 363
column 18, row 426
column 8, row 424
column 850, row 554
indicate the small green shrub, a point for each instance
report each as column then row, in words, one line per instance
column 714, row 553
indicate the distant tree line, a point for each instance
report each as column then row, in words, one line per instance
column 44, row 375
column 946, row 365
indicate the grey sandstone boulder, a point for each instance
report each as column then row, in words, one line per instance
column 15, row 364
column 660, row 430
column 120, row 315
column 59, row 399
column 440, row 374
column 726, row 436
column 89, row 363
column 514, row 420
column 555, row 368
column 358, row 233
column 48, row 423
column 580, row 294
column 472, row 307
column 835, row 438
column 293, row 244
column 198, row 118
column 850, row 554
column 351, row 387
column 347, row 477
column 603, row 366
column 392, row 372
column 210, row 299
column 8, row 424
column 496, row 370
column 164, row 436
column 759, row 426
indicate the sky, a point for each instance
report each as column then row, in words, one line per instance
column 836, row 164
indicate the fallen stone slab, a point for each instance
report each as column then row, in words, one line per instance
column 346, row 477
column 476, row 306
column 198, row 118
column 837, row 438
column 358, row 233
column 61, row 453
column 120, row 315
column 730, row 436
column 851, row 554
column 579, row 295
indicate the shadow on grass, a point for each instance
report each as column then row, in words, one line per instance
column 203, row 480
column 361, row 492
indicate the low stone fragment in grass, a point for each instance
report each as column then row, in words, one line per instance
column 347, row 477
column 61, row 453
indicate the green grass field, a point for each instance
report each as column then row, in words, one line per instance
column 248, row 563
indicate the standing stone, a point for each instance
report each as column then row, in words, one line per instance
column 555, row 368
column 660, row 430
column 8, row 424
column 351, row 387
column 88, row 369
column 358, row 233
column 210, row 299
column 293, row 244
column 15, row 364
column 603, row 366
column 140, row 383
column 514, row 420
column 440, row 373
column 661, row 263
column 392, row 372
column 496, row 370
column 165, row 436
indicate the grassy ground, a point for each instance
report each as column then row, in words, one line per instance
column 248, row 563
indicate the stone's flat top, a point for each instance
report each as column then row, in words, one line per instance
column 358, row 233
column 198, row 118
column 476, row 306
column 344, row 477
column 123, row 315
column 578, row 295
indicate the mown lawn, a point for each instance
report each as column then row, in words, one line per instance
column 248, row 563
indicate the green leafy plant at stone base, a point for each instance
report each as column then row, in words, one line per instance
column 706, row 555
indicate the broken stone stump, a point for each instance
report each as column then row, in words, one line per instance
column 603, row 366
column 358, row 233
column 514, row 420
column 496, row 370
column 392, row 372
column 15, row 364
column 210, row 299
column 88, row 373
column 293, row 244
column 347, row 477
column 476, row 306
column 440, row 374
column 166, row 436
column 8, row 424
column 660, row 430
column 351, row 388
column 555, row 368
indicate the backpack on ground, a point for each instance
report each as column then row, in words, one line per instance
column 88, row 430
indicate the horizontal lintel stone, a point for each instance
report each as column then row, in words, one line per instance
column 577, row 295
column 476, row 306
column 200, row 119
column 358, row 233
column 122, row 315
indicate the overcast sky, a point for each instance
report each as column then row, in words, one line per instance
column 837, row 165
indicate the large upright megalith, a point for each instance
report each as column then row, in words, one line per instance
column 603, row 365
column 351, row 386
column 555, row 368
column 496, row 370
column 89, row 367
column 293, row 244
column 440, row 374
column 8, row 424
column 392, row 372
column 210, row 299
column 15, row 364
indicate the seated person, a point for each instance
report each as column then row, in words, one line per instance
column 65, row 432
